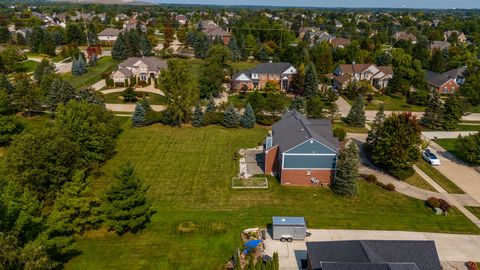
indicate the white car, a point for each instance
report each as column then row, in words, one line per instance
column 430, row 158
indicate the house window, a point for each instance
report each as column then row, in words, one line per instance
column 143, row 77
column 445, row 90
column 309, row 172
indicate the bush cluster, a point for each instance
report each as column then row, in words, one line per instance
column 434, row 202
column 340, row 133
column 373, row 179
column 403, row 173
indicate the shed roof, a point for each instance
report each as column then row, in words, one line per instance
column 288, row 221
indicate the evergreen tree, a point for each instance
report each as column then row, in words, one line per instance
column 262, row 54
column 345, row 182
column 315, row 107
column 119, row 48
column 79, row 67
column 129, row 95
column 145, row 46
column 311, row 81
column 235, row 52
column 356, row 116
column 243, row 48
column 139, row 117
column 231, row 118
column 201, row 45
column 211, row 107
column 452, row 111
column 375, row 127
column 197, row 116
column 126, row 207
column 433, row 116
column 44, row 68
column 248, row 118
column 60, row 92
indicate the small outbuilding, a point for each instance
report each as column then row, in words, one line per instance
column 289, row 228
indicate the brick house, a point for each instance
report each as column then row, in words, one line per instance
column 402, row 35
column 442, row 84
column 213, row 31
column 301, row 151
column 377, row 76
column 108, row 36
column 257, row 77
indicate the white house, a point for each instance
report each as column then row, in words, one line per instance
column 108, row 35
column 142, row 68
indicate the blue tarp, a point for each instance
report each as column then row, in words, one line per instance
column 251, row 245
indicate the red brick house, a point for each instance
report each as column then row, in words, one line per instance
column 257, row 77
column 441, row 83
column 213, row 31
column 301, row 151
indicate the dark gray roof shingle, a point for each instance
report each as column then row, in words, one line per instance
column 436, row 79
column 271, row 68
column 398, row 255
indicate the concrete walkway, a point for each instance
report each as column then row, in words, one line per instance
column 130, row 107
column 450, row 247
column 99, row 85
column 446, row 134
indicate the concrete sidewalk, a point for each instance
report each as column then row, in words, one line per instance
column 445, row 134
column 450, row 247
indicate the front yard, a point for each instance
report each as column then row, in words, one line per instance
column 392, row 103
column 199, row 217
column 94, row 74
column 153, row 99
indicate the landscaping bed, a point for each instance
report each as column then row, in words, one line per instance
column 153, row 99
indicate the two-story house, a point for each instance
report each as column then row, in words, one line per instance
column 257, row 77
column 141, row 68
column 301, row 151
column 377, row 76
column 213, row 31
column 460, row 35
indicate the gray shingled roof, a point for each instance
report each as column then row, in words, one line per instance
column 294, row 128
column 109, row 32
column 367, row 266
column 454, row 73
column 436, row 79
column 398, row 255
column 153, row 63
column 271, row 68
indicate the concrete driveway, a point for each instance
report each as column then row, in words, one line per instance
column 450, row 247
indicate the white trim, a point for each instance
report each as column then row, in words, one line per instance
column 312, row 154
column 305, row 142
column 283, row 161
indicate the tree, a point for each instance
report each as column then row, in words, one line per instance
column 231, row 118
column 433, row 116
column 468, row 148
column 211, row 107
column 398, row 142
column 91, row 96
column 91, row 126
column 129, row 95
column 315, row 107
column 60, row 92
column 45, row 67
column 211, row 81
column 197, row 116
column 201, row 45
column 243, row 48
column 345, row 182
column 26, row 94
column 145, row 46
column 452, row 111
column 263, row 54
column 9, row 126
column 79, row 67
column 322, row 58
column 275, row 102
column 42, row 160
column 218, row 54
column 119, row 48
column 375, row 127
column 356, row 116
column 126, row 208
column 180, row 90
column 235, row 52
column 248, row 118
column 139, row 117
column 311, row 81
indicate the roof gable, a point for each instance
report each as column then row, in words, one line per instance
column 310, row 146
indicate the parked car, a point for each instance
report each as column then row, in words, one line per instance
column 430, row 157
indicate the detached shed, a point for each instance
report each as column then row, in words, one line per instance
column 289, row 228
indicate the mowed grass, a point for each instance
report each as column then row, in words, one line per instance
column 348, row 128
column 94, row 74
column 392, row 103
column 474, row 210
column 117, row 98
column 417, row 181
column 441, row 179
column 198, row 216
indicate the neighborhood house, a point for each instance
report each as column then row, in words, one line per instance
column 377, row 76
column 301, row 151
column 257, row 77
column 141, row 68
column 441, row 83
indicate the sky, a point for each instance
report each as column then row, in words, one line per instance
column 440, row 4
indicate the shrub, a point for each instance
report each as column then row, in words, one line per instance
column 371, row 178
column 444, row 205
column 340, row 133
column 390, row 187
column 403, row 173
column 154, row 117
column 380, row 184
column 212, row 118
column 129, row 95
column 433, row 202
column 266, row 120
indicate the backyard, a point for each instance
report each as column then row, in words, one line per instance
column 199, row 217
column 94, row 74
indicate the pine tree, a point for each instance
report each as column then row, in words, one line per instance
column 243, row 48
column 248, row 118
column 197, row 117
column 345, row 182
column 230, row 117
column 452, row 111
column 201, row 45
column 235, row 52
column 119, row 48
column 126, row 207
column 129, row 95
column 145, row 46
column 59, row 92
column 356, row 116
column 433, row 116
column 262, row 54
column 139, row 117
column 311, row 81
column 211, row 107
column 315, row 107
column 376, row 126
column 79, row 67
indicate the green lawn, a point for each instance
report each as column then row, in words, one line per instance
column 198, row 216
column 27, row 66
column 417, row 181
column 442, row 180
column 474, row 210
column 449, row 145
column 154, row 99
column 466, row 127
column 348, row 128
column 94, row 74
column 392, row 103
